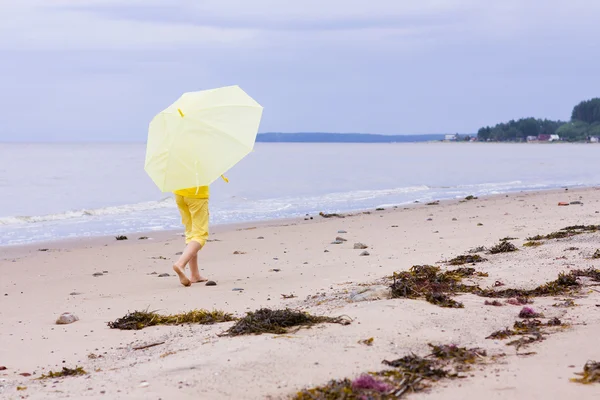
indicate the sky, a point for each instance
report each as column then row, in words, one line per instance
column 99, row 70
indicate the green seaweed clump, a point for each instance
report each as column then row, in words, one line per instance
column 532, row 243
column 466, row 259
column 278, row 322
column 590, row 374
column 503, row 247
column 65, row 372
column 142, row 319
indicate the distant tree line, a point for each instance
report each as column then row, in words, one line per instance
column 585, row 123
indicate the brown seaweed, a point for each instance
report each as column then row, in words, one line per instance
column 278, row 322
column 503, row 247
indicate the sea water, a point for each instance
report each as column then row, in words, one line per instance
column 54, row 191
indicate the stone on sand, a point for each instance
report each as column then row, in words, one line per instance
column 67, row 318
column 360, row 246
column 378, row 292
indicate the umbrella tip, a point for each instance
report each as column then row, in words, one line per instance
column 180, row 112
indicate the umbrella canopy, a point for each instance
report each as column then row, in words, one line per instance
column 200, row 136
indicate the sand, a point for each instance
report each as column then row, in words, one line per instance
column 36, row 287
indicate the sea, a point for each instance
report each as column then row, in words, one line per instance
column 59, row 191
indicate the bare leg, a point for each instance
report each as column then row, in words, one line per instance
column 191, row 250
column 195, row 276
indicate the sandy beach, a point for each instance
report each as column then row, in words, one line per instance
column 297, row 257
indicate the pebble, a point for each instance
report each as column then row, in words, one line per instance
column 260, row 237
column 237, row 289
column 275, row 270
column 163, row 275
column 67, row 318
column 365, row 253
column 342, row 232
column 337, row 242
column 211, row 283
column 360, row 246
column 340, row 239
column 179, row 253
column 97, row 274
column 144, row 384
column 74, row 294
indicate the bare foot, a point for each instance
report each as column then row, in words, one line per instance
column 198, row 279
column 182, row 278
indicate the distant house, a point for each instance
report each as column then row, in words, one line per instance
column 450, row 138
column 594, row 139
column 532, row 138
column 548, row 138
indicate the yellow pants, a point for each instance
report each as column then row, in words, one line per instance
column 194, row 216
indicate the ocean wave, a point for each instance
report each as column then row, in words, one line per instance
column 113, row 210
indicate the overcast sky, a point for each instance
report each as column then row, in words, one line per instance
column 100, row 69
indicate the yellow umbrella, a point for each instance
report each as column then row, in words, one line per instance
column 200, row 136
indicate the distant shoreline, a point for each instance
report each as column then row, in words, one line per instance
column 318, row 137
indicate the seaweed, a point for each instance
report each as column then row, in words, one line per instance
column 567, row 232
column 142, row 319
column 507, row 239
column 65, row 372
column 596, row 255
column 479, row 249
column 121, row 237
column 503, row 247
column 466, row 259
column 590, row 374
column 565, row 304
column 433, row 203
column 593, row 274
column 278, row 322
column 457, row 354
column 434, row 285
column 442, row 300
column 532, row 243
column 495, row 303
column 408, row 374
column 501, row 334
column 326, row 215
column 428, row 281
column 471, row 197
column 528, row 312
column 564, row 284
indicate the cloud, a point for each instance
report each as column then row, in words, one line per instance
column 382, row 66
